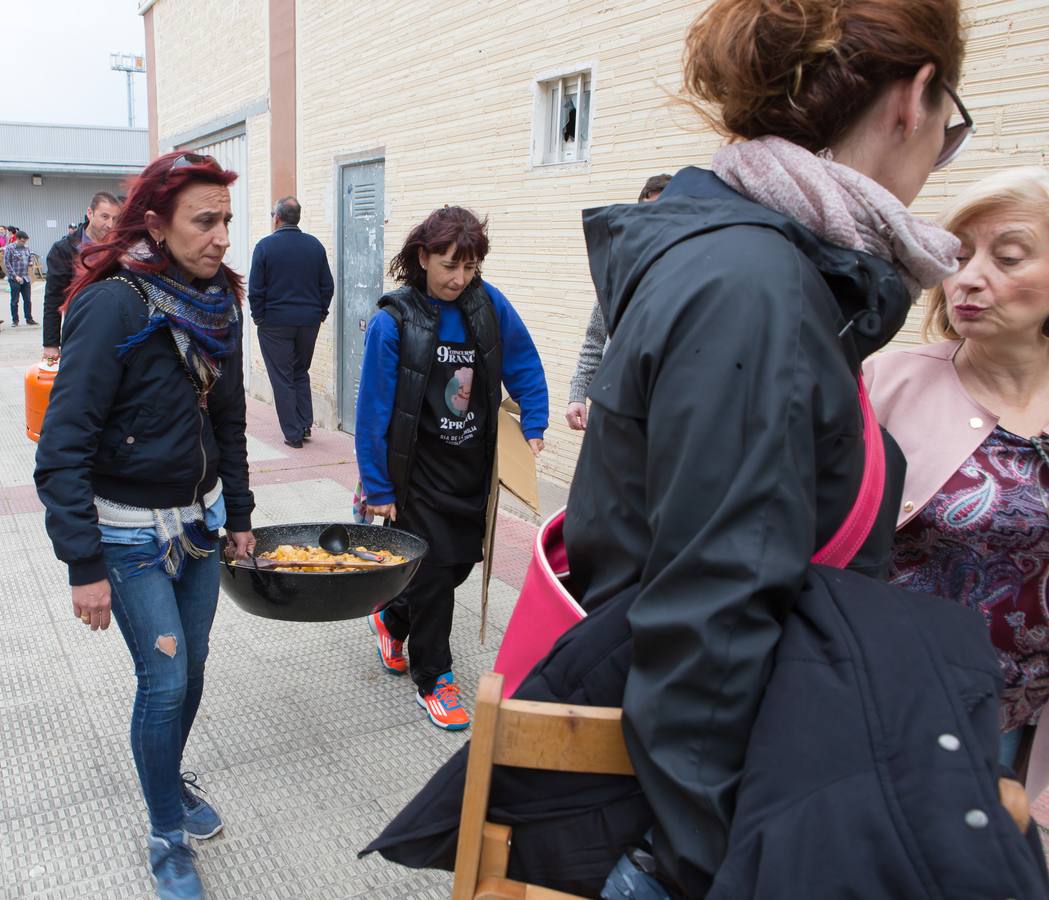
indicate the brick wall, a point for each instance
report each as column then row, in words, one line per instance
column 211, row 60
column 1005, row 86
column 447, row 90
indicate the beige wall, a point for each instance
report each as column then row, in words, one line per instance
column 450, row 97
column 447, row 90
column 211, row 60
column 1005, row 86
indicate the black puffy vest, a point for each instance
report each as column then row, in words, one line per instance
column 417, row 322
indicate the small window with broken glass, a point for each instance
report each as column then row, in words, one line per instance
column 564, row 135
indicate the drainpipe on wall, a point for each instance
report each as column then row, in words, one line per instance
column 145, row 9
column 282, row 98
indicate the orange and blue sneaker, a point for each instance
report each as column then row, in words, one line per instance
column 443, row 705
column 391, row 650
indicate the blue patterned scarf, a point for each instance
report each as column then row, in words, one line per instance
column 205, row 324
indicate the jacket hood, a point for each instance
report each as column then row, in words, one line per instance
column 623, row 241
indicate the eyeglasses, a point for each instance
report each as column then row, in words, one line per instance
column 955, row 137
column 193, row 159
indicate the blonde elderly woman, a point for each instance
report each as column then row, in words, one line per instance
column 971, row 413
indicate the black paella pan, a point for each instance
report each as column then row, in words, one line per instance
column 321, row 596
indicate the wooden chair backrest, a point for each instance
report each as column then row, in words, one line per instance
column 530, row 735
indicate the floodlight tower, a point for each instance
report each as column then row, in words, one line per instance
column 131, row 63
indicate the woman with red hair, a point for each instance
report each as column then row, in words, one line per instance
column 143, row 458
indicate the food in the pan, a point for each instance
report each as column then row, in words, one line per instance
column 292, row 554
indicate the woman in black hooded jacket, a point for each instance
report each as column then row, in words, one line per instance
column 725, row 443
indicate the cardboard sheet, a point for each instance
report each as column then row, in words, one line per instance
column 515, row 470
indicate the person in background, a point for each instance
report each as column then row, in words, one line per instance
column 426, row 445
column 593, row 348
column 9, row 235
column 16, row 264
column 102, row 214
column 143, row 457
column 290, row 289
column 971, row 413
column 71, row 229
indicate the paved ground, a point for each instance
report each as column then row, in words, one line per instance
column 304, row 744
column 306, row 747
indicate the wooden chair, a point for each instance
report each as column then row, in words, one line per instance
column 528, row 735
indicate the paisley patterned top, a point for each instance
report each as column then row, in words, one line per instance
column 983, row 540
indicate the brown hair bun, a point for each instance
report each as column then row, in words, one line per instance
column 804, row 70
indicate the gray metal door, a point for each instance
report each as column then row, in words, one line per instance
column 360, row 273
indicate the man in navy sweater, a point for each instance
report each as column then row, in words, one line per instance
column 289, row 290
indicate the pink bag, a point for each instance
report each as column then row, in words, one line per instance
column 545, row 609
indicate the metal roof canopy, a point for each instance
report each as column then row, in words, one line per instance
column 72, row 149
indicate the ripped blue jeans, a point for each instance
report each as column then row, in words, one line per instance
column 165, row 625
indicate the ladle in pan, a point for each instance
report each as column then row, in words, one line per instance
column 336, row 539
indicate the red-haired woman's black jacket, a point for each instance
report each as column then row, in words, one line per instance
column 131, row 429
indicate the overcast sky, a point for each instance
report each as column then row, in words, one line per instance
column 56, row 56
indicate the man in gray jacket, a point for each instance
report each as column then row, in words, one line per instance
column 593, row 349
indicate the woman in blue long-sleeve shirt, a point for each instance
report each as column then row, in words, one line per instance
column 436, row 355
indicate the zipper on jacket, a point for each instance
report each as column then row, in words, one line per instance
column 203, row 452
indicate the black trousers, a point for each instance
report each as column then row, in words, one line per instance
column 422, row 615
column 288, row 353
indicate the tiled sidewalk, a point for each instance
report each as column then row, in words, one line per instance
column 303, row 743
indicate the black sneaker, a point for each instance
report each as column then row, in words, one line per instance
column 295, row 444
column 14, row 324
column 31, row 322
column 307, row 433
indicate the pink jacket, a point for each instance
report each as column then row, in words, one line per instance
column 920, row 400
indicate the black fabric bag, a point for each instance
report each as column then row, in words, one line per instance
column 568, row 829
column 847, row 790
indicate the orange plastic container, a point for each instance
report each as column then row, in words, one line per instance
column 39, row 378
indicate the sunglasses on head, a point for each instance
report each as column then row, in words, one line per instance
column 955, row 137
column 193, row 159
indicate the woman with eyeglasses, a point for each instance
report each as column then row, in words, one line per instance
column 725, row 446
column 143, row 458
column 740, row 308
column 971, row 413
